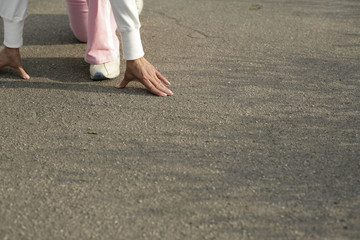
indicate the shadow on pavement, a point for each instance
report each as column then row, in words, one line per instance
column 65, row 74
column 48, row 29
column 60, row 69
column 16, row 82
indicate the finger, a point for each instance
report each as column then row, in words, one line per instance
column 22, row 73
column 152, row 88
column 162, row 88
column 162, row 78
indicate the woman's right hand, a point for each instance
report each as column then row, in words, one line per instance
column 10, row 58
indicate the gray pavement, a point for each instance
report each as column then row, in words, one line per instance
column 260, row 141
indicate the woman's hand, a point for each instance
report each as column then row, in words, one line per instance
column 10, row 57
column 142, row 71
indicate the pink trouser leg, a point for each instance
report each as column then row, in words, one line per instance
column 92, row 21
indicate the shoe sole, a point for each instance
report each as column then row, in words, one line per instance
column 100, row 76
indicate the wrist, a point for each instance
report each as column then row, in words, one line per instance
column 10, row 51
column 135, row 61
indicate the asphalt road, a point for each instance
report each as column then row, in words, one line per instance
column 260, row 141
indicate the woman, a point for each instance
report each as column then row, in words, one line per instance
column 125, row 13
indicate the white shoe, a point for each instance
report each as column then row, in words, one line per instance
column 139, row 5
column 107, row 70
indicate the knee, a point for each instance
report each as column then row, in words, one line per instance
column 81, row 38
column 80, row 34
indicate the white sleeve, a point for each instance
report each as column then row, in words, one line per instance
column 13, row 13
column 127, row 20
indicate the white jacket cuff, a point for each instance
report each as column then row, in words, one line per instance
column 13, row 33
column 132, row 45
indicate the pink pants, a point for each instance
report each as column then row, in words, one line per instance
column 92, row 21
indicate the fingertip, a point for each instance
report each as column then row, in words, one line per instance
column 162, row 78
column 23, row 74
